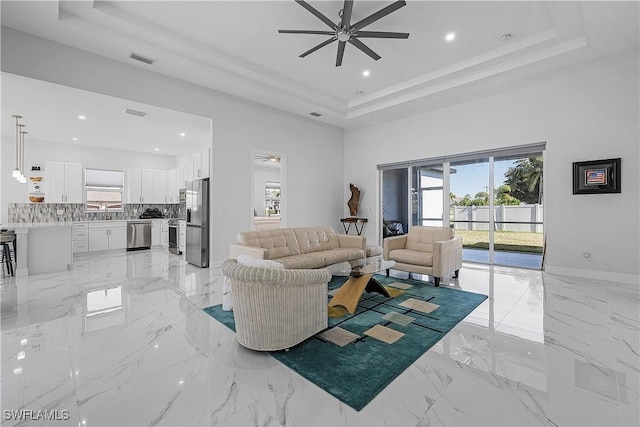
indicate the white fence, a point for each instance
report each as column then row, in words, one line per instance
column 503, row 213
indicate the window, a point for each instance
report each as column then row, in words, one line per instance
column 103, row 190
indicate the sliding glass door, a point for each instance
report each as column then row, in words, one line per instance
column 469, row 207
column 493, row 201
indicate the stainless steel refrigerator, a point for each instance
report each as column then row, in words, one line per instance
column 197, row 243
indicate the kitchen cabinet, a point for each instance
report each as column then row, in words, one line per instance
column 80, row 238
column 159, row 187
column 108, row 235
column 146, row 186
column 155, row 232
column 182, row 236
column 164, row 233
column 172, row 186
column 175, row 181
column 65, row 182
column 201, row 164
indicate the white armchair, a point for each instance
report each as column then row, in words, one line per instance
column 425, row 250
column 275, row 309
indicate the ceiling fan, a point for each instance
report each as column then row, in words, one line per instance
column 344, row 31
column 267, row 158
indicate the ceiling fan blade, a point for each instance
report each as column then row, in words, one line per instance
column 317, row 13
column 325, row 33
column 346, row 13
column 323, row 44
column 363, row 47
column 379, row 14
column 381, row 35
column 341, row 46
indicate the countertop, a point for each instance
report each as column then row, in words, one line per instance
column 16, row 225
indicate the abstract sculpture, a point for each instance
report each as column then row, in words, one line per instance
column 353, row 201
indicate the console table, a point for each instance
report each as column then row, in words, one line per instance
column 358, row 222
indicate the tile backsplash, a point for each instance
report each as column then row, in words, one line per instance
column 48, row 212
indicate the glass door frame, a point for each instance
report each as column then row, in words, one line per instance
column 445, row 163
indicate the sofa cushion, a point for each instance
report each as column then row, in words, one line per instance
column 316, row 239
column 422, row 238
column 314, row 260
column 278, row 243
column 335, row 256
column 408, row 256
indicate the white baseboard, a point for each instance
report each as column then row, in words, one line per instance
column 608, row 276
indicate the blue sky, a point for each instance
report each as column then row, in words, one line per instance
column 474, row 178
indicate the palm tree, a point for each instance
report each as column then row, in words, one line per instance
column 525, row 179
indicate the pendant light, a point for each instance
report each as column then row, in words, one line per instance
column 23, row 177
column 17, row 171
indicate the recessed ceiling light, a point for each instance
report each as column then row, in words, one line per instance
column 75, row 139
column 366, row 73
column 156, row 149
column 183, row 134
column 81, row 117
column 450, row 37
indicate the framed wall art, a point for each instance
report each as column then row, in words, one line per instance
column 596, row 176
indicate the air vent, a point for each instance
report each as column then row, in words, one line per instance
column 314, row 114
column 141, row 58
column 135, row 112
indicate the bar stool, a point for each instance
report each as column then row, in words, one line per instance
column 7, row 240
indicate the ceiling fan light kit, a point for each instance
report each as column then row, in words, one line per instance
column 345, row 32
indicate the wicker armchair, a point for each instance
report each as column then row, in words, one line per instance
column 275, row 309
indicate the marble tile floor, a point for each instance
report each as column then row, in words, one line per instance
column 121, row 340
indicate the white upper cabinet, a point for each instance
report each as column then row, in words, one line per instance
column 65, row 182
column 146, row 186
column 159, row 187
column 172, row 186
column 201, row 164
column 134, row 185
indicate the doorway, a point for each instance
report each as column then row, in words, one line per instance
column 268, row 189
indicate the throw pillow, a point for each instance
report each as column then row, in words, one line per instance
column 254, row 262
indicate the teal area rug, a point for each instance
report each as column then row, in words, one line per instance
column 356, row 372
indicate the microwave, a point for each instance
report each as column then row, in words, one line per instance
column 182, row 195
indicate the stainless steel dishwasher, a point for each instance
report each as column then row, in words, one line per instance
column 138, row 235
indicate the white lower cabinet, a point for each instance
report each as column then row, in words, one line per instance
column 155, row 232
column 107, row 235
column 80, row 238
column 182, row 239
column 164, row 233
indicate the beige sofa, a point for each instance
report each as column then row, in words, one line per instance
column 275, row 309
column 302, row 247
column 425, row 250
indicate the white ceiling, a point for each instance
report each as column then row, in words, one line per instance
column 235, row 47
column 50, row 113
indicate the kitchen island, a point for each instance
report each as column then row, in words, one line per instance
column 42, row 247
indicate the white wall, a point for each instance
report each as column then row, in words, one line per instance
column 585, row 113
column 315, row 188
column 38, row 152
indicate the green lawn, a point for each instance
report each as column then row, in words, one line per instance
column 511, row 241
